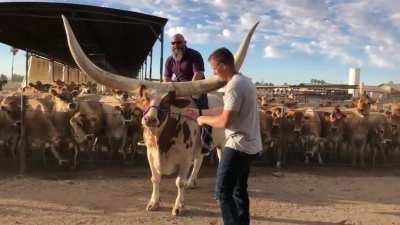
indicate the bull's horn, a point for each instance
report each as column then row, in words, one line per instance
column 213, row 83
column 241, row 52
column 131, row 85
column 99, row 75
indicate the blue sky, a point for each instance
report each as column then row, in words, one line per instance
column 297, row 39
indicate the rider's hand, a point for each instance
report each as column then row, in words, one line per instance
column 191, row 113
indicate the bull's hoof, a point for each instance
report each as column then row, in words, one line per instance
column 153, row 206
column 177, row 210
column 191, row 184
column 62, row 162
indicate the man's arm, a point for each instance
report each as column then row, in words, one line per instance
column 198, row 76
column 167, row 71
column 222, row 120
column 166, row 79
column 212, row 112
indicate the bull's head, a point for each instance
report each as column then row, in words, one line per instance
column 130, row 112
column 278, row 115
column 64, row 98
column 154, row 95
column 12, row 106
column 157, row 109
column 264, row 101
column 363, row 104
column 84, row 127
column 336, row 120
column 298, row 118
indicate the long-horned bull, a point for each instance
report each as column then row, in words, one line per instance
column 172, row 141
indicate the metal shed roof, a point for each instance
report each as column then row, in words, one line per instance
column 116, row 40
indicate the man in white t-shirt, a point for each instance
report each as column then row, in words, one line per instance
column 240, row 119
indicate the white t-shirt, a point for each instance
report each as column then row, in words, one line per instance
column 243, row 134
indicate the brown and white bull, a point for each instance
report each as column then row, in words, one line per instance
column 172, row 141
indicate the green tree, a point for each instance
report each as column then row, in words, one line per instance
column 17, row 78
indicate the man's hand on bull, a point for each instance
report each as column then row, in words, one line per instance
column 200, row 121
column 191, row 113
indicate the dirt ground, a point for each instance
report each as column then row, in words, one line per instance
column 118, row 195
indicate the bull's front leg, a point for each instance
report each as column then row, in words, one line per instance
column 317, row 149
column 154, row 202
column 192, row 182
column 57, row 155
column 76, row 153
column 180, row 184
column 362, row 154
column 122, row 147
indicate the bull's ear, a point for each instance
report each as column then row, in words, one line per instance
column 137, row 112
column 181, row 102
column 53, row 92
column 326, row 115
column 4, row 108
column 75, row 93
column 142, row 90
column 388, row 114
column 73, row 106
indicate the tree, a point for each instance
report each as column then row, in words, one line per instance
column 13, row 52
column 17, row 78
column 3, row 77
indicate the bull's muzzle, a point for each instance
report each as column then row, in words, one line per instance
column 149, row 121
column 89, row 137
column 297, row 130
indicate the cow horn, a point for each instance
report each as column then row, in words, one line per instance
column 96, row 73
column 131, row 85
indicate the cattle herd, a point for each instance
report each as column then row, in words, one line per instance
column 363, row 131
column 64, row 120
column 71, row 122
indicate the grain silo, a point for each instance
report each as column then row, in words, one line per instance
column 354, row 79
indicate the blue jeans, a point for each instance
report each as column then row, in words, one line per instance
column 231, row 186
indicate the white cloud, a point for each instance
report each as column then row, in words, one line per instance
column 226, row 33
column 383, row 57
column 248, row 19
column 336, row 30
column 272, row 52
column 193, row 36
column 303, row 47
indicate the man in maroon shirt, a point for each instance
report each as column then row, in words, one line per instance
column 186, row 64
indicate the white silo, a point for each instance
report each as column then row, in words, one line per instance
column 354, row 79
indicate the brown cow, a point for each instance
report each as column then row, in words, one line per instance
column 41, row 131
column 308, row 126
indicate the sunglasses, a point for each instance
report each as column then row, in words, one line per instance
column 176, row 42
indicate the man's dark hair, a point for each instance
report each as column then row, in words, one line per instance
column 223, row 55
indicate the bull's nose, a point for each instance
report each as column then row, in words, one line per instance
column 150, row 121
